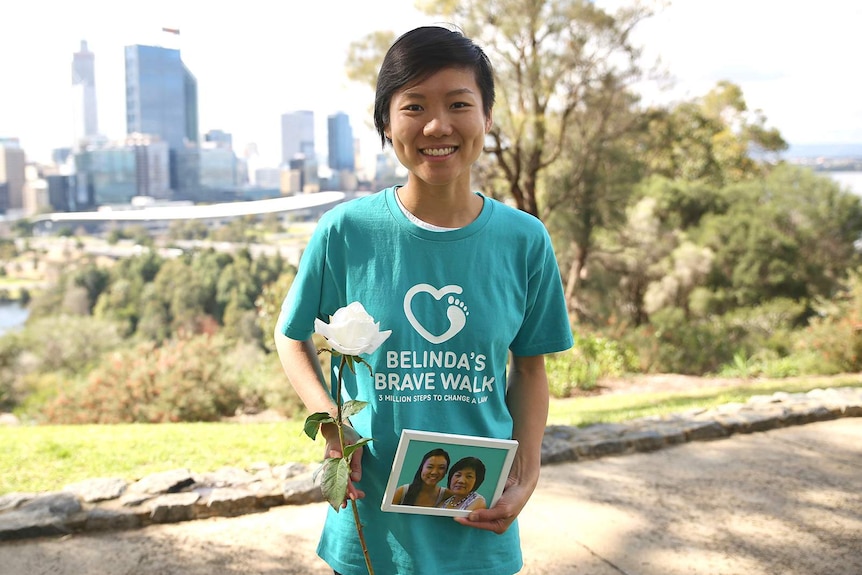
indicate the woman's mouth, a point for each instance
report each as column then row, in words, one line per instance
column 439, row 151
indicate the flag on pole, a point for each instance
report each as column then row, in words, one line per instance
column 171, row 30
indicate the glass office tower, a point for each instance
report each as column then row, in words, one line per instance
column 340, row 140
column 162, row 100
column 161, row 95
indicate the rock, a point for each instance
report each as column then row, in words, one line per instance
column 165, row 482
column 111, row 520
column 173, row 507
column 227, row 477
column 13, row 500
column 301, row 490
column 43, row 515
column 227, row 503
column 93, row 490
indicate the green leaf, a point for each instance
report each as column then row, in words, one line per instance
column 348, row 451
column 333, row 484
column 352, row 407
column 313, row 422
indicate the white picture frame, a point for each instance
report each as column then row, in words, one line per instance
column 495, row 454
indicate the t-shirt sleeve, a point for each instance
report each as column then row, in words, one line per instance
column 302, row 304
column 546, row 327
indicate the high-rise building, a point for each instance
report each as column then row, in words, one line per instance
column 116, row 172
column 13, row 163
column 162, row 100
column 340, row 139
column 161, row 95
column 86, row 122
column 297, row 135
column 218, row 167
column 220, row 138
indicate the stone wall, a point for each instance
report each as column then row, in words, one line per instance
column 181, row 495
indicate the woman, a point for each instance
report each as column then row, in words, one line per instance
column 465, row 477
column 463, row 282
column 423, row 490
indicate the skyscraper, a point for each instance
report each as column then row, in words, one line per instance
column 84, row 94
column 341, row 154
column 12, row 167
column 297, row 135
column 116, row 172
column 161, row 95
column 162, row 101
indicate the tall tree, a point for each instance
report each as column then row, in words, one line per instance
column 791, row 235
column 714, row 140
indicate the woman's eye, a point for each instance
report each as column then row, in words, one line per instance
column 413, row 108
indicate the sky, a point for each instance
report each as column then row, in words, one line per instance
column 256, row 60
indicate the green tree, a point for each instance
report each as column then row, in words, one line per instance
column 187, row 230
column 714, row 140
column 93, row 279
column 790, row 235
column 122, row 300
column 268, row 305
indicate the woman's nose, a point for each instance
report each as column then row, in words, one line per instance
column 438, row 126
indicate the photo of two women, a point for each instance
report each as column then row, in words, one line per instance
column 447, row 477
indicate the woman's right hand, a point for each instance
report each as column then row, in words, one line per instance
column 333, row 449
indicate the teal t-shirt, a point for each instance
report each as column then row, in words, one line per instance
column 457, row 302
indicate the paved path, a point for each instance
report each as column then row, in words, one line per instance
column 781, row 502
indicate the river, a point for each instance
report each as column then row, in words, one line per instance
column 12, row 316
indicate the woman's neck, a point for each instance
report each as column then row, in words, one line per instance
column 441, row 206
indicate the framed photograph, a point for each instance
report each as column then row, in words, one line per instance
column 447, row 474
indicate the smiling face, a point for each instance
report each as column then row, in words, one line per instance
column 437, row 127
column 434, row 469
column 462, row 481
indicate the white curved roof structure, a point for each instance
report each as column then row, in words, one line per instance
column 211, row 211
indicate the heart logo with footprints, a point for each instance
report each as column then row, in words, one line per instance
column 456, row 311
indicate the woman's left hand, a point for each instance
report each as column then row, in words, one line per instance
column 503, row 514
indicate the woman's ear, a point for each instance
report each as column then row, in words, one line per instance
column 488, row 122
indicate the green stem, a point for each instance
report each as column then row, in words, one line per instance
column 361, row 537
column 339, row 424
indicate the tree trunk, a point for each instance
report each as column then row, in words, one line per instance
column 573, row 281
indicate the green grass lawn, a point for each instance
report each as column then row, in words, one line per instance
column 45, row 458
column 37, row 458
column 623, row 407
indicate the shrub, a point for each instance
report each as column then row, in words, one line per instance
column 672, row 343
column 62, row 345
column 183, row 380
column 591, row 358
column 261, row 381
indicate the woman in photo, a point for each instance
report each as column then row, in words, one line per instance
column 470, row 289
column 465, row 477
column 423, row 490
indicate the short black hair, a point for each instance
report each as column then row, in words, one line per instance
column 473, row 463
column 422, row 52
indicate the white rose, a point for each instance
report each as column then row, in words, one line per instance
column 351, row 331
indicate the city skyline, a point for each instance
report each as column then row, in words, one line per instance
column 257, row 61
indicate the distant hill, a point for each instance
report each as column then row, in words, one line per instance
column 824, row 151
